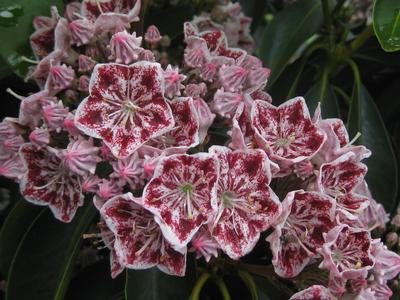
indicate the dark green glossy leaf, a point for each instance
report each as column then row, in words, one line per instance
column 95, row 282
column 15, row 39
column 372, row 51
column 46, row 256
column 15, row 226
column 152, row 284
column 386, row 19
column 287, row 32
column 382, row 175
column 323, row 92
column 269, row 289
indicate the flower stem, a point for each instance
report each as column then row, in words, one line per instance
column 222, row 288
column 199, row 285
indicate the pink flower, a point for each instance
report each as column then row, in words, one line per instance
column 139, row 243
column 196, row 52
column 12, row 167
column 152, row 35
column 108, row 189
column 126, row 106
column 81, row 157
column 232, row 78
column 90, row 184
column 42, row 40
column 69, row 125
column 286, row 132
column 128, row 170
column 60, row 77
column 347, row 252
column 204, row 244
column 299, row 230
column 54, row 114
column 242, row 133
column 246, row 204
column 72, row 11
column 48, row 182
column 339, row 180
column 125, row 47
column 225, row 103
column 387, row 263
column 173, row 81
column 206, row 117
column 182, row 195
column 86, row 64
column 315, row 292
column 40, row 136
column 82, row 31
column 337, row 142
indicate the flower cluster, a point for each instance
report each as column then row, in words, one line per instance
column 142, row 127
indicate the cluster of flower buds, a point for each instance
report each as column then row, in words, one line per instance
column 142, row 127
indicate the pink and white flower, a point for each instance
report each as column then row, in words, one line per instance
column 182, row 195
column 246, row 204
column 315, row 292
column 126, row 106
column 139, row 243
column 347, row 252
column 286, row 132
column 299, row 230
column 48, row 182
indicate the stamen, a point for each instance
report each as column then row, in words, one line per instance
column 99, row 6
column 11, row 92
column 24, row 58
column 356, row 137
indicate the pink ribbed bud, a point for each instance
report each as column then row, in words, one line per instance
column 152, row 35
column 81, row 31
column 125, row 47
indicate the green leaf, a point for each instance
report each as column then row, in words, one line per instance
column 323, row 92
column 152, row 284
column 18, row 222
column 95, row 282
column 382, row 176
column 270, row 289
column 46, row 255
column 15, row 39
column 287, row 32
column 386, row 19
column 9, row 15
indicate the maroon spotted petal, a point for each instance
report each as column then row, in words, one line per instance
column 182, row 195
column 139, row 243
column 286, row 132
column 246, row 203
column 299, row 231
column 47, row 182
column 126, row 106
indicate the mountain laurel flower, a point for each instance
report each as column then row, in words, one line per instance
column 126, row 106
column 152, row 35
column 299, row 230
column 54, row 114
column 315, row 292
column 246, row 204
column 204, row 245
column 182, row 195
column 81, row 31
column 83, row 84
column 173, row 81
column 86, row 64
column 81, row 157
column 139, row 243
column 347, row 253
column 129, row 170
column 60, row 77
column 286, row 132
column 125, row 47
column 12, row 167
column 48, row 182
column 40, row 136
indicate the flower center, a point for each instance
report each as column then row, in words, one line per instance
column 285, row 142
column 187, row 189
column 129, row 106
column 227, row 199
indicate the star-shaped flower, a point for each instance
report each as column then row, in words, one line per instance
column 299, row 230
column 49, row 182
column 126, row 106
column 246, row 203
column 182, row 195
column 286, row 132
column 139, row 243
column 347, row 252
